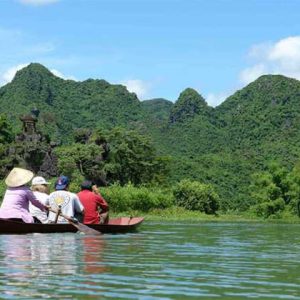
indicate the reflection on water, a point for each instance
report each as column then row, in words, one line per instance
column 162, row 261
column 58, row 254
column 45, row 259
column 92, row 249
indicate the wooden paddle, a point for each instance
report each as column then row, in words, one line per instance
column 81, row 227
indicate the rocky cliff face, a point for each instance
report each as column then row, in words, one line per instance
column 33, row 150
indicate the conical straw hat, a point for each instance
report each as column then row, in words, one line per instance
column 18, row 177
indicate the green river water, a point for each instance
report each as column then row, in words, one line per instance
column 161, row 261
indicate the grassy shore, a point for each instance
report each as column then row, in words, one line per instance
column 180, row 214
column 173, row 213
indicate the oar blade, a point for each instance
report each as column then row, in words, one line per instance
column 81, row 227
column 86, row 229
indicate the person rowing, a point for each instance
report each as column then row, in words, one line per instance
column 15, row 204
column 63, row 200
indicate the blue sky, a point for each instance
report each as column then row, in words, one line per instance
column 157, row 48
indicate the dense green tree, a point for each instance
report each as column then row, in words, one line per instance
column 275, row 190
column 131, row 158
column 6, row 132
column 194, row 195
column 293, row 193
column 81, row 160
column 113, row 156
column 6, row 137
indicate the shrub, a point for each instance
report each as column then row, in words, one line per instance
column 129, row 197
column 270, row 208
column 194, row 195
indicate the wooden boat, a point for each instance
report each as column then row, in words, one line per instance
column 115, row 225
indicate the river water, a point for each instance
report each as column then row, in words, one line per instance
column 161, row 261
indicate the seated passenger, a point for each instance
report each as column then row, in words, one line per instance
column 17, row 197
column 68, row 202
column 40, row 188
column 95, row 207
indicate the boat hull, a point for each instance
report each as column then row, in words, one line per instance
column 116, row 225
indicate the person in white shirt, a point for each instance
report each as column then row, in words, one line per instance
column 68, row 202
column 40, row 188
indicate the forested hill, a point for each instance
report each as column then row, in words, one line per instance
column 66, row 104
column 227, row 144
column 222, row 145
column 159, row 109
column 263, row 119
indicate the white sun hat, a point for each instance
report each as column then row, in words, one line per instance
column 18, row 177
column 39, row 180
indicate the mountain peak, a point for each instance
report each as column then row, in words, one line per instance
column 34, row 80
column 189, row 103
column 267, row 83
column 189, row 92
column 264, row 91
column 35, row 69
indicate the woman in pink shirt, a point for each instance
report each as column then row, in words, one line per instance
column 15, row 204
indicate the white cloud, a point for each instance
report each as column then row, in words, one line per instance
column 281, row 57
column 10, row 73
column 250, row 74
column 61, row 75
column 286, row 51
column 37, row 2
column 141, row 88
column 216, row 99
column 260, row 50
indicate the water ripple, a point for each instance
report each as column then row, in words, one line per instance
column 162, row 261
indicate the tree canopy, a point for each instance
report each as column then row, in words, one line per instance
column 221, row 146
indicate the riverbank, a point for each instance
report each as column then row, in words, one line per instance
column 180, row 214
